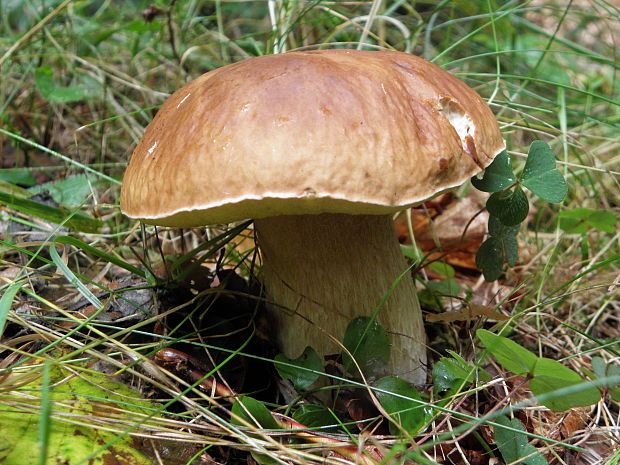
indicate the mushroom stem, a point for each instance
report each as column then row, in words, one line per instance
column 321, row 271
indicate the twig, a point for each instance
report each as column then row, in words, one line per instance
column 171, row 33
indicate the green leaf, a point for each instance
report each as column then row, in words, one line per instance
column 315, row 416
column 514, row 446
column 577, row 220
column 501, row 247
column 603, row 220
column 412, row 252
column 302, row 374
column 89, row 395
column 546, row 375
column 446, row 287
column 444, row 376
column 442, row 269
column 21, row 176
column 509, row 354
column 408, row 413
column 540, row 159
column 101, row 254
column 140, row 26
column 74, row 220
column 509, row 206
column 254, row 412
column 71, row 190
column 550, row 186
column 44, row 80
column 511, row 249
column 574, row 221
column 367, row 341
column 449, row 373
column 483, row 375
column 613, row 388
column 13, row 190
column 497, row 176
column 550, row 375
column 507, row 236
column 6, row 302
column 541, row 176
column 490, row 258
column 500, row 230
column 603, row 370
column 599, row 366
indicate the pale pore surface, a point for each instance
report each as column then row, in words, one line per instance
column 331, row 268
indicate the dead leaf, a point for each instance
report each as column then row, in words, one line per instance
column 448, row 229
column 471, row 312
column 151, row 12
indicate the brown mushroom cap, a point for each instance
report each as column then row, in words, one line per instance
column 339, row 131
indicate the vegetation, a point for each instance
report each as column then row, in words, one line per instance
column 524, row 367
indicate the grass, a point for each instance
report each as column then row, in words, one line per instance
column 79, row 82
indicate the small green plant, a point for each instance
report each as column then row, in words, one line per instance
column 52, row 92
column 544, row 374
column 508, row 205
column 405, row 405
column 603, row 370
column 451, row 373
column 514, row 446
column 410, row 411
column 580, row 220
column 367, row 349
column 302, row 371
column 367, row 342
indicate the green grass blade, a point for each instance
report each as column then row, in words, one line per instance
column 71, row 218
column 101, row 254
column 6, row 301
column 73, row 279
column 59, row 155
column 45, row 418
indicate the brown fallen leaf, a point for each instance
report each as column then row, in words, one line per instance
column 9, row 274
column 471, row 312
column 151, row 12
column 448, row 229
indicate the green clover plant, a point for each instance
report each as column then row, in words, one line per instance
column 508, row 206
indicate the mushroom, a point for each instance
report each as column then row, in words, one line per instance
column 319, row 148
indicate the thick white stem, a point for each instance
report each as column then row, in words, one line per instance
column 324, row 270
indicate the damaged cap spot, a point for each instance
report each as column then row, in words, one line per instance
column 462, row 124
column 309, row 193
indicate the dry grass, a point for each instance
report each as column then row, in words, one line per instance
column 549, row 71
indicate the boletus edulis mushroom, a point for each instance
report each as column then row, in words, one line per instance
column 319, row 148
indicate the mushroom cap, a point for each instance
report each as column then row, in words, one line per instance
column 329, row 131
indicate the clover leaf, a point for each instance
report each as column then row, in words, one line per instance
column 541, row 176
column 497, row 176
